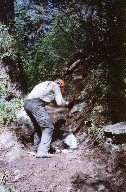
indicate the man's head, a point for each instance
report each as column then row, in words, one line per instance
column 61, row 83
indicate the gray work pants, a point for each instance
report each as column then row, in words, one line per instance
column 35, row 108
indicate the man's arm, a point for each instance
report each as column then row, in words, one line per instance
column 58, row 96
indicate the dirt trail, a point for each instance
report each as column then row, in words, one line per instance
column 88, row 169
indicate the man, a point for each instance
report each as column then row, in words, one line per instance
column 34, row 106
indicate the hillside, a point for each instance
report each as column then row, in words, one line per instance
column 88, row 168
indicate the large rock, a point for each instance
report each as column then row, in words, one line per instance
column 70, row 140
column 25, row 127
column 117, row 132
column 23, row 118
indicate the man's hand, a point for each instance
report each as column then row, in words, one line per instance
column 70, row 105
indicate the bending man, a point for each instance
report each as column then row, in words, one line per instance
column 34, row 106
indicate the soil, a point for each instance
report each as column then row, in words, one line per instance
column 88, row 169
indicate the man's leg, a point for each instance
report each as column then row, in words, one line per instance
column 37, row 130
column 46, row 139
column 45, row 123
column 37, row 140
column 41, row 117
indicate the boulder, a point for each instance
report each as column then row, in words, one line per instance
column 70, row 140
column 116, row 132
column 23, row 118
column 25, row 128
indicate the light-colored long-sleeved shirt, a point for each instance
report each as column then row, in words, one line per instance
column 48, row 91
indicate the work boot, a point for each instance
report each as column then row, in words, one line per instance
column 44, row 154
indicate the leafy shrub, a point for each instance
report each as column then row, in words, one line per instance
column 53, row 50
column 97, row 134
column 43, row 56
column 9, row 109
column 7, row 42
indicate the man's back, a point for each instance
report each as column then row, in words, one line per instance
column 48, row 91
column 43, row 91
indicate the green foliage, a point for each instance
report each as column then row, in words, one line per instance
column 2, row 90
column 65, row 37
column 98, row 83
column 45, row 56
column 7, row 42
column 9, row 109
column 97, row 134
column 26, row 25
column 52, row 52
column 9, row 189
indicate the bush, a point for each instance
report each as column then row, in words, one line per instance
column 7, row 43
column 9, row 109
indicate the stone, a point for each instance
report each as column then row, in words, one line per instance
column 70, row 140
column 82, row 95
column 23, row 118
column 78, row 107
column 25, row 126
column 113, row 147
column 117, row 132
